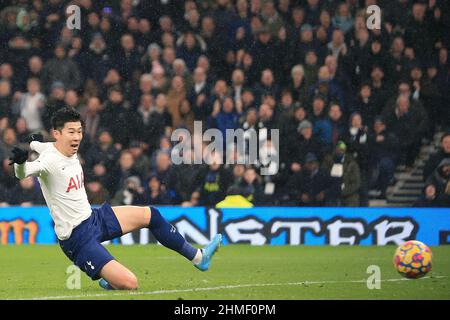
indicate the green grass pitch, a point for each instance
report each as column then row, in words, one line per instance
column 237, row 272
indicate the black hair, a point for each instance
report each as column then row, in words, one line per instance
column 64, row 115
column 365, row 83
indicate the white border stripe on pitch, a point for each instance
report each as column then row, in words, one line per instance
column 237, row 286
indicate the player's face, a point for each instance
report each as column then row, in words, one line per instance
column 69, row 138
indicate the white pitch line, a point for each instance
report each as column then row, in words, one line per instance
column 254, row 285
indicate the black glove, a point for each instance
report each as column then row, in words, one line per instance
column 19, row 156
column 34, row 137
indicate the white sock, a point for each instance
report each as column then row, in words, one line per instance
column 198, row 257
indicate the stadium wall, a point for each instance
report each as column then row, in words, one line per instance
column 261, row 225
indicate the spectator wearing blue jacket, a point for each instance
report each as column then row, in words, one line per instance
column 322, row 127
column 225, row 116
column 328, row 87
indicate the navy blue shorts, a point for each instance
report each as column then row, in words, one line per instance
column 84, row 246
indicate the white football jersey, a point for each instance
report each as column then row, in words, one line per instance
column 62, row 184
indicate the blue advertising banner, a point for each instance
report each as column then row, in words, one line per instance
column 262, row 225
column 26, row 225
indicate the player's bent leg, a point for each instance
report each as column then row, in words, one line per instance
column 169, row 237
column 118, row 276
column 132, row 217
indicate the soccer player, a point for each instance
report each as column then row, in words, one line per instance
column 81, row 229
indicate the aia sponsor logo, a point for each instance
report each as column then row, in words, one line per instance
column 76, row 182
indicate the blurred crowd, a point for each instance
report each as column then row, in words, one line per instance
column 351, row 104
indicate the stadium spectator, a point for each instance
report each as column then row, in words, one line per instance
column 7, row 74
column 383, row 149
column 72, row 100
column 35, row 66
column 148, row 123
column 326, row 24
column 304, row 144
column 264, row 52
column 97, row 60
column 156, row 194
column 9, row 139
column 91, row 117
column 31, row 105
column 161, row 108
column 322, row 126
column 5, row 99
column 132, row 193
column 185, row 174
column 427, row 87
column 175, row 95
column 356, row 139
column 60, row 69
column 417, row 35
column 127, row 59
column 250, row 187
column 305, row 43
column 212, row 182
column 26, row 193
column 309, row 186
column 102, row 152
column 152, row 59
column 380, row 87
column 327, row 87
column 96, row 192
column 225, row 116
column 437, row 187
column 343, row 19
column 165, row 172
column 298, row 85
column 199, row 94
column 345, row 177
column 189, row 49
column 187, row 116
column 141, row 160
column 21, row 129
column 54, row 102
column 337, row 122
column 436, row 158
column 337, row 45
column 408, row 124
column 116, row 117
column 237, row 84
column 19, row 51
column 395, row 12
column 112, row 80
column 122, row 171
column 365, row 105
column 312, row 12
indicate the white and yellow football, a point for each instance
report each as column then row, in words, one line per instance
column 413, row 259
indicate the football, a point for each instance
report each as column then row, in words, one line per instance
column 413, row 259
